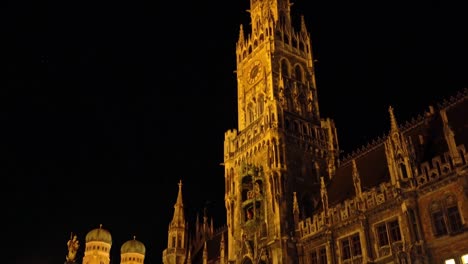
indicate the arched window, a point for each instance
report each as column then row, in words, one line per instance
column 285, row 68
column 445, row 216
column 250, row 113
column 247, row 261
column 453, row 214
column 404, row 173
column 261, row 104
column 299, row 74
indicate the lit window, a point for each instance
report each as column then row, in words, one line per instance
column 382, row 235
column 318, row 256
column 388, row 232
column 446, row 216
column 450, row 261
column 414, row 224
column 351, row 247
column 440, row 227
column 323, row 255
column 313, row 257
column 465, row 259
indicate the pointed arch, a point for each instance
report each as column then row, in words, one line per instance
column 299, row 73
column 247, row 260
column 284, row 67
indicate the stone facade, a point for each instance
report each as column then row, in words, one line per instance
column 291, row 198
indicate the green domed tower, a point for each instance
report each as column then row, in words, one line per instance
column 132, row 252
column 98, row 246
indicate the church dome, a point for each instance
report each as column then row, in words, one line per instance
column 133, row 246
column 99, row 234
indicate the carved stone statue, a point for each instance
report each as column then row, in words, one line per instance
column 73, row 245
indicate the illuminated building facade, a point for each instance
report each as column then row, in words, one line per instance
column 290, row 198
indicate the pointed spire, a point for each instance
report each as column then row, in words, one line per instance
column 205, row 222
column 450, row 139
column 179, row 218
column 400, row 158
column 295, row 210
column 295, row 203
column 317, row 170
column 205, row 254
column 177, row 237
column 211, row 227
column 222, row 253
column 356, row 180
column 303, row 25
column 241, row 35
column 324, row 195
column 179, row 195
column 189, row 255
column 280, row 79
column 393, row 123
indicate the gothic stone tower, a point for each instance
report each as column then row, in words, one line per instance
column 282, row 147
column 176, row 251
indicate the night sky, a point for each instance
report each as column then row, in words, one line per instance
column 108, row 104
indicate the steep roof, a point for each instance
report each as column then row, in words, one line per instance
column 372, row 167
column 425, row 134
column 213, row 246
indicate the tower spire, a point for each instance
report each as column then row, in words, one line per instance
column 450, row 139
column 393, row 122
column 277, row 100
column 241, row 35
column 295, row 210
column 179, row 217
column 356, row 180
column 398, row 155
column 177, row 234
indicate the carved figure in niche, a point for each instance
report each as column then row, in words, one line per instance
column 309, row 95
column 249, row 214
column 264, row 256
column 309, row 106
column 257, row 189
column 295, row 97
column 309, row 101
column 282, row 99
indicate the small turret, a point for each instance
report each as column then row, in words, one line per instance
column 398, row 155
column 222, row 253
column 356, row 180
column 205, row 254
column 450, row 139
column 295, row 210
column 324, row 195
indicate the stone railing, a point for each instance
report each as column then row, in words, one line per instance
column 439, row 167
column 348, row 209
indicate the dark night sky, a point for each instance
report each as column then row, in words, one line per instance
column 108, row 104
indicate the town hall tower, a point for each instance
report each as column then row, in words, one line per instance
column 282, row 148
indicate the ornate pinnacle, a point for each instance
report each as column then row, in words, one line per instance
column 393, row 123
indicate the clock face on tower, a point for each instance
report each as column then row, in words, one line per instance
column 255, row 72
